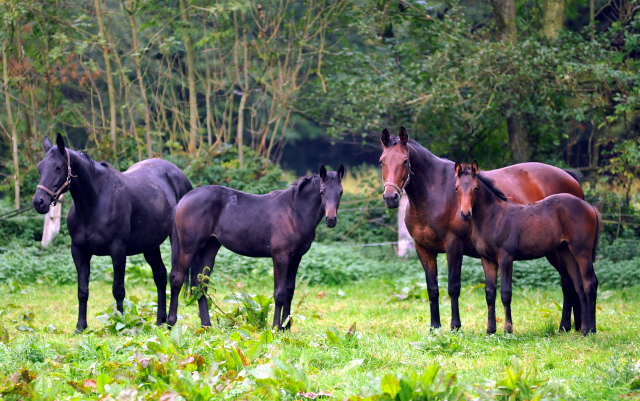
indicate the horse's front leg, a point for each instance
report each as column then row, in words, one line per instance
column 455, row 250
column 119, row 259
column 280, row 293
column 506, row 292
column 430, row 265
column 82, row 260
column 491, row 279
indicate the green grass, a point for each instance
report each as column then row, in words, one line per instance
column 390, row 337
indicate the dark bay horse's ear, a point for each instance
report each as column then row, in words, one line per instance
column 404, row 137
column 458, row 169
column 60, row 143
column 474, row 167
column 341, row 172
column 385, row 138
column 323, row 172
column 47, row 144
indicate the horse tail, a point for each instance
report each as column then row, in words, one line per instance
column 574, row 174
column 598, row 226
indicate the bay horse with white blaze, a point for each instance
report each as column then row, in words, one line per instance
column 561, row 225
column 280, row 225
column 113, row 213
column 433, row 213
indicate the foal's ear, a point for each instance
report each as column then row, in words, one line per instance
column 474, row 167
column 458, row 169
column 323, row 173
column 60, row 143
column 47, row 144
column 404, row 137
column 385, row 138
column 341, row 172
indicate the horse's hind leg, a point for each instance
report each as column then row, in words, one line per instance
column 430, row 266
column 203, row 266
column 570, row 296
column 154, row 258
column 119, row 260
column 573, row 270
column 491, row 279
column 590, row 284
column 280, row 294
column 82, row 260
column 180, row 263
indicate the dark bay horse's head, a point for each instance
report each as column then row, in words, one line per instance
column 54, row 173
column 466, row 187
column 331, row 193
column 395, row 166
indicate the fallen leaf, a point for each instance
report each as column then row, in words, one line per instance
column 321, row 294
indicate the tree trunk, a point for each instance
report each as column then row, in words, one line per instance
column 553, row 18
column 518, row 138
column 12, row 127
column 143, row 92
column 504, row 12
column 110, row 86
column 193, row 104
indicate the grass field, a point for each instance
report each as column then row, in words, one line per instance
column 320, row 353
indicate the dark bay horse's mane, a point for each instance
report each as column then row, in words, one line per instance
column 287, row 195
column 488, row 182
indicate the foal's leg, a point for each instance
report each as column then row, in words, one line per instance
column 280, row 294
column 154, row 259
column 455, row 249
column 570, row 296
column 490, row 279
column 180, row 263
column 430, row 265
column 506, row 273
column 206, row 260
column 590, row 284
column 574, row 271
column 292, row 271
column 119, row 259
column 82, row 260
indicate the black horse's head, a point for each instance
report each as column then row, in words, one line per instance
column 331, row 192
column 54, row 174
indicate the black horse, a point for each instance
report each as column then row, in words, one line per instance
column 280, row 225
column 113, row 213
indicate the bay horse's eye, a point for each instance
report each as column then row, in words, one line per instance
column 475, row 189
column 381, row 163
column 456, row 189
column 404, row 163
column 321, row 192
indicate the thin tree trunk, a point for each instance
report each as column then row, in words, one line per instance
column 12, row 127
column 110, row 85
column 208, row 98
column 193, row 105
column 553, row 18
column 518, row 138
column 143, row 91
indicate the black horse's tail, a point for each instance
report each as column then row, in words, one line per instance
column 576, row 175
column 598, row 226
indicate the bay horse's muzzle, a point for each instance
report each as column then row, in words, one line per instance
column 465, row 217
column 392, row 200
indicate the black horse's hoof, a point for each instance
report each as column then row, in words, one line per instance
column 491, row 332
column 79, row 330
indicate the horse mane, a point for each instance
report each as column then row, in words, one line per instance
column 287, row 195
column 488, row 182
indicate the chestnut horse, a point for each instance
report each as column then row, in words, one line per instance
column 504, row 231
column 280, row 225
column 432, row 216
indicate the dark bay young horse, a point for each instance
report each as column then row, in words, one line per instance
column 504, row 231
column 433, row 213
column 113, row 213
column 280, row 225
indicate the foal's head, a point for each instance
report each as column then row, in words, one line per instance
column 396, row 168
column 331, row 192
column 54, row 173
column 466, row 187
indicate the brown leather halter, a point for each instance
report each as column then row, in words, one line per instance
column 56, row 195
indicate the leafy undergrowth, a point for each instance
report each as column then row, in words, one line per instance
column 353, row 342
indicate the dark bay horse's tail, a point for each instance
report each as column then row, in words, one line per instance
column 575, row 175
column 598, row 226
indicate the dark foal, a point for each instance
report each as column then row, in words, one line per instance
column 280, row 225
column 503, row 231
column 113, row 213
column 433, row 213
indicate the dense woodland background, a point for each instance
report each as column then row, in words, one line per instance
column 232, row 90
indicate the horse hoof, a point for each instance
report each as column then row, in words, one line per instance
column 79, row 330
column 508, row 329
column 491, row 332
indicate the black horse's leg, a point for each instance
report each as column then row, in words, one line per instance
column 568, row 292
column 280, row 295
column 291, row 288
column 82, row 260
column 207, row 259
column 430, row 266
column 154, row 259
column 454, row 260
column 506, row 292
column 119, row 260
column 491, row 278
column 180, row 263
